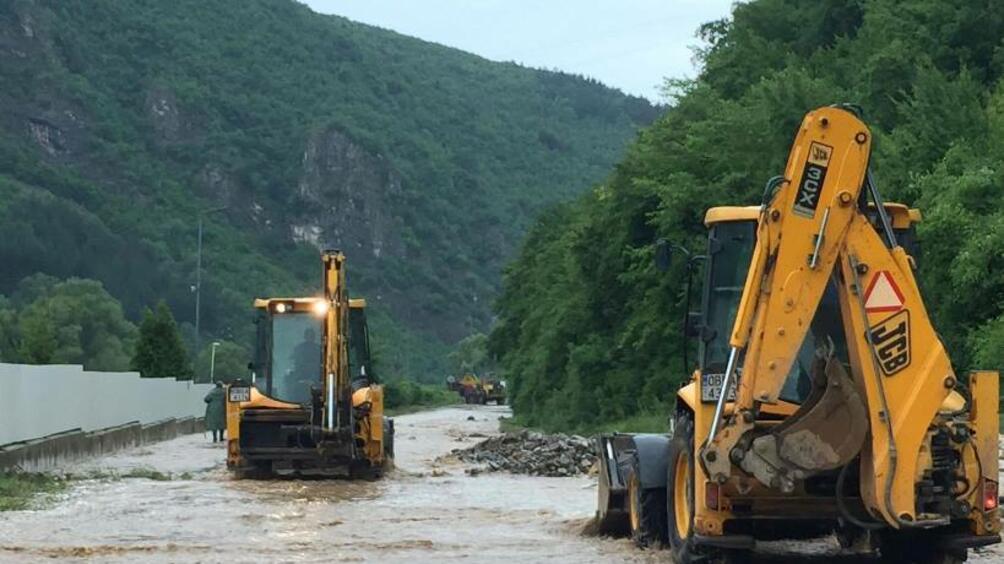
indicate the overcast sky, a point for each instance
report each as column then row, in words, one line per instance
column 630, row 44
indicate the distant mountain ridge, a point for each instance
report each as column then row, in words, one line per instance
column 120, row 120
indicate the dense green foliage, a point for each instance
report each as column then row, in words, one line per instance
column 589, row 332
column 405, row 395
column 471, row 355
column 121, row 119
column 65, row 322
column 230, row 363
column 159, row 350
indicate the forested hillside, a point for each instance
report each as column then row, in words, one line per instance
column 121, row 120
column 588, row 331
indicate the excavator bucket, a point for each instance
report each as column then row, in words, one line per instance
column 826, row 433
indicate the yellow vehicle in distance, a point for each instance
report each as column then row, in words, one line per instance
column 475, row 390
column 313, row 406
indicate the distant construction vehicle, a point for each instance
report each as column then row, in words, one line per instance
column 312, row 407
column 824, row 401
column 476, row 390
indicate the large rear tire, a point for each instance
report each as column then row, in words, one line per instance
column 680, row 493
column 646, row 511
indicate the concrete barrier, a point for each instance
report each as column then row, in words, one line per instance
column 39, row 401
column 52, row 414
column 57, row 451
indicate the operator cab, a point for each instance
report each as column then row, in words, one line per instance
column 731, row 239
column 289, row 355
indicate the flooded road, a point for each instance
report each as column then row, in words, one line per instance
column 422, row 512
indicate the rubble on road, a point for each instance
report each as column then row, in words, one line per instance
column 526, row 452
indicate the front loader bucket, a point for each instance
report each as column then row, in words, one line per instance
column 611, row 503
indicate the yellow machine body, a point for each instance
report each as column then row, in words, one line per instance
column 824, row 399
column 327, row 419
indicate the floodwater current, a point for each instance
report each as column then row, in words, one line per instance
column 427, row 510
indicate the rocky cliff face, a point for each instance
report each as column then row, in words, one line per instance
column 344, row 199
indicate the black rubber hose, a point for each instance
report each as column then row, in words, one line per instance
column 842, row 505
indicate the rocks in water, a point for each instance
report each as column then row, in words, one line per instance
column 536, row 454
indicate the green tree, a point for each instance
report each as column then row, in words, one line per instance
column 159, row 350
column 69, row 322
column 470, row 354
column 9, row 332
column 231, row 362
column 38, row 338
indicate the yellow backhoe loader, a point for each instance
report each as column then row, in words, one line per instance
column 312, row 406
column 824, row 401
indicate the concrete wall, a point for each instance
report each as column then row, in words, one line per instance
column 55, row 452
column 37, row 401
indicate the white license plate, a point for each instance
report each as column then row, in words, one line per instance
column 239, row 394
column 711, row 388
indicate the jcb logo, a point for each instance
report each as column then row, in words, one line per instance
column 820, row 154
column 891, row 338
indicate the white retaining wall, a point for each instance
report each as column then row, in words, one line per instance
column 36, row 401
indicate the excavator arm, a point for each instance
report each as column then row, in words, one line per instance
column 814, row 233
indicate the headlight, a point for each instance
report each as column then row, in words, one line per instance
column 321, row 307
column 280, row 307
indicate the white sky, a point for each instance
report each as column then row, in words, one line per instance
column 629, row 44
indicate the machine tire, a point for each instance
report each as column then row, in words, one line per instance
column 680, row 502
column 646, row 511
column 900, row 547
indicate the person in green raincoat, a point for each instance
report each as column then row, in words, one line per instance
column 216, row 411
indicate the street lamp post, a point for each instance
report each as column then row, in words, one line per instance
column 198, row 278
column 212, row 362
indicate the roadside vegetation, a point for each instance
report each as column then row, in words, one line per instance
column 404, row 396
column 588, row 331
column 20, row 490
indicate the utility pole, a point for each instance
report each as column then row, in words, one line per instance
column 212, row 363
column 198, row 281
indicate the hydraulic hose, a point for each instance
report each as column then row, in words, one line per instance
column 846, row 513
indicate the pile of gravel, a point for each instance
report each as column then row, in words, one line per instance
column 530, row 453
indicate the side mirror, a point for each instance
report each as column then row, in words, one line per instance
column 663, row 255
column 250, row 366
column 694, row 326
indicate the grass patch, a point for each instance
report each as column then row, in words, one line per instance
column 148, row 474
column 18, row 490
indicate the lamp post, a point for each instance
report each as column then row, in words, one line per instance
column 198, row 277
column 212, row 362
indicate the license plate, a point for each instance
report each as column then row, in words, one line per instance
column 239, row 394
column 711, row 388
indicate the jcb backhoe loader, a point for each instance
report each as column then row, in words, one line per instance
column 312, row 407
column 824, row 401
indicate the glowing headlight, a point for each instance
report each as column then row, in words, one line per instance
column 321, row 307
column 280, row 308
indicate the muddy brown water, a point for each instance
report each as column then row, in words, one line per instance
column 425, row 511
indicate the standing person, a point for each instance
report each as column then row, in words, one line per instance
column 216, row 411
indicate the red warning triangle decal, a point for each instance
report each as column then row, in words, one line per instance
column 883, row 295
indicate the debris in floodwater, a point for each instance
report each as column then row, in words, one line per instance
column 470, row 418
column 525, row 452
